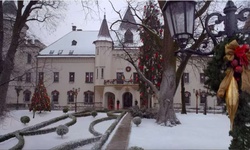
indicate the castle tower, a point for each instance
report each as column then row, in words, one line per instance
column 103, row 55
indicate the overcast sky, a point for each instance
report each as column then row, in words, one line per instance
column 74, row 15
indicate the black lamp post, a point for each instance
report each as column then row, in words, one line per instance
column 180, row 19
column 18, row 90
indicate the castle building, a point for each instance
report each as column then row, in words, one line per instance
column 89, row 68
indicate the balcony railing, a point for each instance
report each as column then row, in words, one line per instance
column 120, row 81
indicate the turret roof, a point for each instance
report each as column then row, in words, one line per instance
column 128, row 17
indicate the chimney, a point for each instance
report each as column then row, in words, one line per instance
column 73, row 28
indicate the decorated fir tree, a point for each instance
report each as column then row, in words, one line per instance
column 228, row 76
column 150, row 59
column 40, row 100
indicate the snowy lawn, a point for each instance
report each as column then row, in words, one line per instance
column 47, row 141
column 197, row 131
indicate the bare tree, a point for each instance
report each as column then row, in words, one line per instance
column 40, row 11
column 171, row 75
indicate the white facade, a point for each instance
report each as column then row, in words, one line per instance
column 87, row 67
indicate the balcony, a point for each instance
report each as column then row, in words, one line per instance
column 120, row 81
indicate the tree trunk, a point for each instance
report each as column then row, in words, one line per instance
column 8, row 66
column 1, row 36
column 166, row 114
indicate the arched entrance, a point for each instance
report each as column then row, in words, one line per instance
column 127, row 100
column 110, row 100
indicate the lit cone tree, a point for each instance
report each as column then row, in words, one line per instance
column 40, row 100
column 150, row 59
column 228, row 79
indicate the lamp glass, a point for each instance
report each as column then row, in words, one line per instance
column 180, row 19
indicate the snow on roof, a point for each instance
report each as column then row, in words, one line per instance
column 73, row 43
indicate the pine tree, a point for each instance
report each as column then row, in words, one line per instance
column 150, row 59
column 40, row 100
column 215, row 73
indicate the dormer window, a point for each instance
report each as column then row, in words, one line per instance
column 74, row 42
column 60, row 52
column 51, row 52
column 71, row 52
column 128, row 37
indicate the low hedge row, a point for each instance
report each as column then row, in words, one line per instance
column 75, row 144
column 92, row 124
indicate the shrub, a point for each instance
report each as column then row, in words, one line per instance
column 65, row 109
column 109, row 114
column 25, row 119
column 94, row 113
column 137, row 121
column 62, row 129
column 135, row 148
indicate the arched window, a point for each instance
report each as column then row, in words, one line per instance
column 187, row 97
column 27, row 96
column 88, row 97
column 70, row 96
column 203, row 97
column 128, row 37
column 55, row 96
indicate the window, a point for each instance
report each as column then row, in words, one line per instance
column 51, row 52
column 187, row 97
column 97, row 51
column 102, row 73
column 186, row 77
column 136, row 78
column 88, row 97
column 41, row 76
column 74, row 42
column 71, row 77
column 71, row 52
column 202, row 77
column 55, row 96
column 28, row 77
column 70, row 96
column 27, row 95
column 128, row 37
column 56, row 76
column 28, row 58
column 203, row 97
column 89, row 77
column 60, row 52
column 119, row 77
column 97, row 73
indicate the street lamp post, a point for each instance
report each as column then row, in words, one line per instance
column 180, row 19
column 18, row 90
column 75, row 93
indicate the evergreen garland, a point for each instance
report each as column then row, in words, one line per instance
column 215, row 72
column 150, row 58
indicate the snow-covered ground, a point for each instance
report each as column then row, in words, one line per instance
column 197, row 131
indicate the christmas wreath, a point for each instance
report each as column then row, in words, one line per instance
column 128, row 69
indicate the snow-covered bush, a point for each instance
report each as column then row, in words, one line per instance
column 135, row 148
column 62, row 130
column 94, row 113
column 65, row 109
column 25, row 119
column 137, row 121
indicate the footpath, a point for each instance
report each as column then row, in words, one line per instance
column 121, row 137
